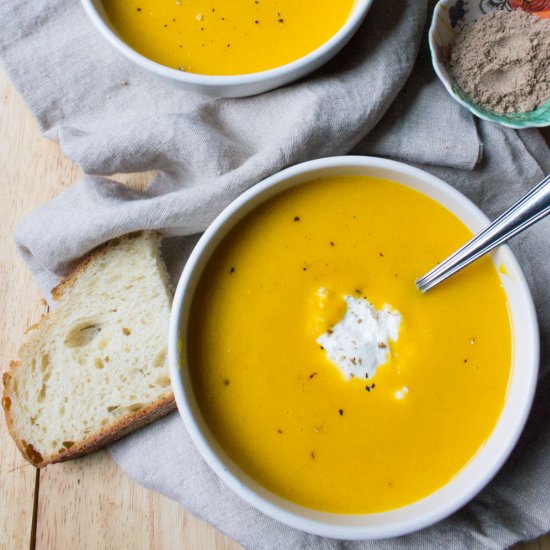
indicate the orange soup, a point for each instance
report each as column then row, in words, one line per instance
column 214, row 37
column 283, row 412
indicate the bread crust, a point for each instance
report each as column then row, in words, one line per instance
column 121, row 426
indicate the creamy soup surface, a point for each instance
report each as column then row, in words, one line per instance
column 216, row 37
column 283, row 412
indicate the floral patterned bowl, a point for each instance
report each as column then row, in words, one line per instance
column 449, row 18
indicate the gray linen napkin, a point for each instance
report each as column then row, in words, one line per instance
column 109, row 117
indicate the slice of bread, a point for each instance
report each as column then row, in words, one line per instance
column 95, row 368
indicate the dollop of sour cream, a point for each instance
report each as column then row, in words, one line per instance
column 360, row 342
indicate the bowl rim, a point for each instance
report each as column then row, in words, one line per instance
column 358, row 11
column 448, row 83
column 292, row 517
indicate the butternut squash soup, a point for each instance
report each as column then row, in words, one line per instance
column 214, row 37
column 321, row 260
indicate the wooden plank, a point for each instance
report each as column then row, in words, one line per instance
column 19, row 296
column 88, row 503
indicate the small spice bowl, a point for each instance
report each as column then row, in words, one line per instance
column 242, row 85
column 449, row 18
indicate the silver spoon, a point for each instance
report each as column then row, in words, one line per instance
column 528, row 210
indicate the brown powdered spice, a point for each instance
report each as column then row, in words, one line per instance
column 502, row 61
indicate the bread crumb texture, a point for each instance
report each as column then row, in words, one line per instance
column 96, row 367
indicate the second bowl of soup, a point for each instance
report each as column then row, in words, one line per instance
column 317, row 380
column 228, row 49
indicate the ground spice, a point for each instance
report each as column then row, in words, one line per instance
column 502, row 61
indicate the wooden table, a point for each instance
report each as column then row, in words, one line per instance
column 87, row 503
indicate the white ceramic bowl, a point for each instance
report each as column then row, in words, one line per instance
column 238, row 85
column 479, row 471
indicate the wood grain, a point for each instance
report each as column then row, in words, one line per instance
column 88, row 503
column 32, row 172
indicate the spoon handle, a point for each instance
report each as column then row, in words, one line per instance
column 531, row 208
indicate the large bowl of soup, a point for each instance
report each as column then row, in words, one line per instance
column 351, row 454
column 228, row 49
